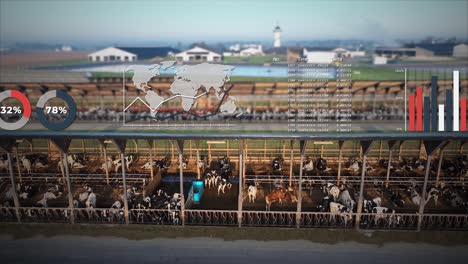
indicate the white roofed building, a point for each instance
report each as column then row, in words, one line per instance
column 198, row 54
column 112, row 54
column 130, row 53
column 252, row 51
column 320, row 56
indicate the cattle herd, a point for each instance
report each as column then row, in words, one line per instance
column 42, row 185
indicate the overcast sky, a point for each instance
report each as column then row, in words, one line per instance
column 105, row 21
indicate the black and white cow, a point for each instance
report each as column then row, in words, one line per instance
column 277, row 163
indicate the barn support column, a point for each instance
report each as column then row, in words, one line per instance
column 439, row 165
column 18, row 163
column 62, row 169
column 190, row 149
column 421, row 151
column 284, row 149
column 104, row 149
column 380, row 150
column 462, row 143
column 243, row 166
column 197, row 146
column 240, row 197
column 150, row 144
column 431, row 147
column 7, row 145
column 303, row 145
column 227, row 148
column 400, row 151
column 391, row 144
column 180, row 148
column 340, row 155
column 136, row 145
column 63, row 145
column 209, row 153
column 172, row 150
column 365, row 146
column 83, row 147
column 121, row 144
column 13, row 185
column 291, row 163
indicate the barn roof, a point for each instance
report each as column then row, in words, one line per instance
column 144, row 53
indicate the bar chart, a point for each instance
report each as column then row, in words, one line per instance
column 430, row 111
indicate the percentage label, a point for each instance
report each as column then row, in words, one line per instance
column 10, row 110
column 25, row 110
column 56, row 110
column 64, row 121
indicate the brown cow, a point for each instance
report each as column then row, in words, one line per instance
column 279, row 195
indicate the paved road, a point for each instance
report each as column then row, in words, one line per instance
column 73, row 249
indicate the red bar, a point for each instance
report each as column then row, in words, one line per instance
column 419, row 109
column 463, row 114
column 411, row 112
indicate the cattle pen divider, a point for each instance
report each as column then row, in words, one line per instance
column 239, row 217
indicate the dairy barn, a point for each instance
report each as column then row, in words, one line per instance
column 359, row 180
column 123, row 54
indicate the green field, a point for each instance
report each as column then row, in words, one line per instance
column 254, row 59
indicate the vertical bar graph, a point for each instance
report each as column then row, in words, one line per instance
column 411, row 112
column 448, row 110
column 427, row 114
column 441, row 118
column 456, row 100
column 463, row 114
column 419, row 108
column 434, row 94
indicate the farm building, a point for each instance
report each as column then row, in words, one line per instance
column 131, row 53
column 460, row 51
column 319, row 55
column 402, row 52
column 252, row 51
column 198, row 54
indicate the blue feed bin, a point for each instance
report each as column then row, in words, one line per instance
column 197, row 190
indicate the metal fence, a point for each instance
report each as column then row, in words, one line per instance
column 211, row 217
column 385, row 221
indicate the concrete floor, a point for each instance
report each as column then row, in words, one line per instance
column 78, row 249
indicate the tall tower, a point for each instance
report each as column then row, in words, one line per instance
column 277, row 36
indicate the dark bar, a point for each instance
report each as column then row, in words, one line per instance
column 419, row 108
column 449, row 111
column 434, row 103
column 427, row 114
